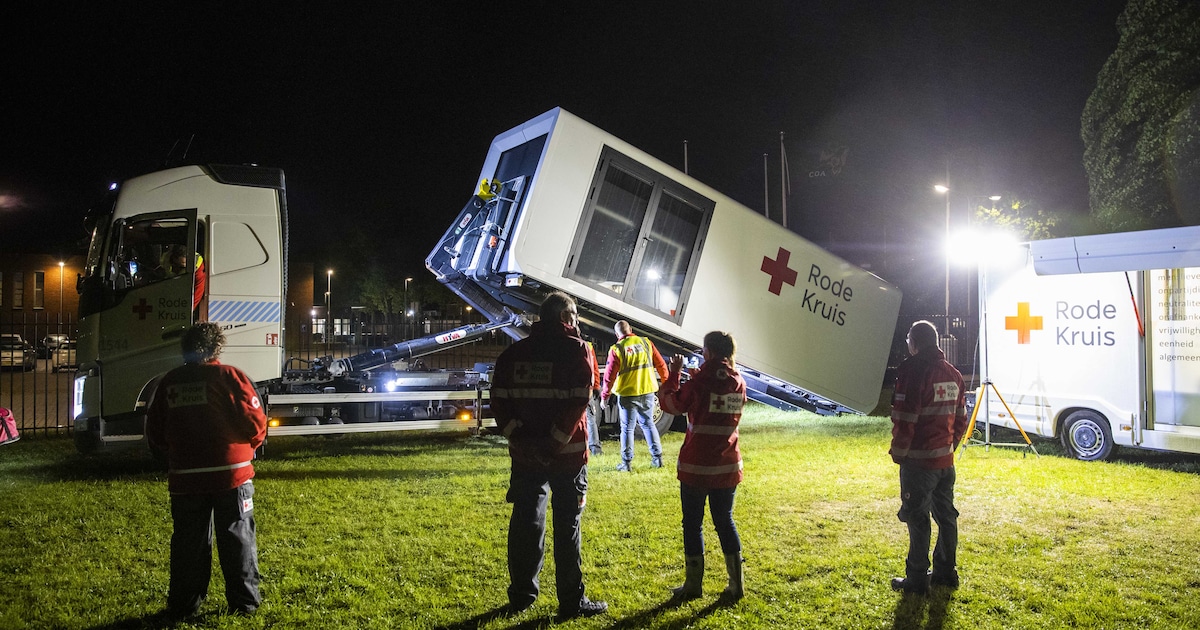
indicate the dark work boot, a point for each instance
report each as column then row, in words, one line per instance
column 910, row 586
column 585, row 608
column 948, row 580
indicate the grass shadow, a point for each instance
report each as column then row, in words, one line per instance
column 923, row 612
column 643, row 618
column 478, row 620
column 160, row 620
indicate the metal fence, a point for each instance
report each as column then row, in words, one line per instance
column 38, row 395
column 41, row 398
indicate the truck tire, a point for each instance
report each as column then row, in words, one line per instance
column 663, row 420
column 1087, row 436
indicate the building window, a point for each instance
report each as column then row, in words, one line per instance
column 18, row 290
column 39, row 289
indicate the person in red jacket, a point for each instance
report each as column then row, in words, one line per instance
column 929, row 418
column 540, row 387
column 208, row 419
column 710, row 463
column 593, row 408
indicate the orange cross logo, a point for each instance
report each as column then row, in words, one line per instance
column 1023, row 322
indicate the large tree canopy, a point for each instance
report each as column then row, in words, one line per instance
column 1141, row 125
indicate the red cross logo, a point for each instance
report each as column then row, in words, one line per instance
column 142, row 308
column 718, row 403
column 778, row 270
column 172, row 395
column 1023, row 322
column 941, row 393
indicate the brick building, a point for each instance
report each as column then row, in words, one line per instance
column 37, row 294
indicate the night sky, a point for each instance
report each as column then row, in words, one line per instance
column 381, row 115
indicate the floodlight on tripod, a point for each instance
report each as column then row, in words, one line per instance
column 983, row 248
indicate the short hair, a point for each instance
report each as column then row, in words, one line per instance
column 720, row 344
column 554, row 305
column 623, row 328
column 923, row 335
column 202, row 343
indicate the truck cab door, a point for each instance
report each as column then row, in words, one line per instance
column 150, row 282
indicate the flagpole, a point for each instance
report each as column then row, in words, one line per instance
column 783, row 183
column 766, row 190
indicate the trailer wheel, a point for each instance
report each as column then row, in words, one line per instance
column 1086, row 436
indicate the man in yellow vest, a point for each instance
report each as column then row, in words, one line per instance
column 633, row 365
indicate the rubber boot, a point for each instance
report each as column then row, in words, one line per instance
column 737, row 583
column 693, row 581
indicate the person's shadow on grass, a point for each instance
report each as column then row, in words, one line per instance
column 927, row 612
column 637, row 620
column 152, row 621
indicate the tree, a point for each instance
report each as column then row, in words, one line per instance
column 381, row 293
column 1025, row 219
column 1141, row 125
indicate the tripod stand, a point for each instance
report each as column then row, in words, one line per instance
column 986, row 442
column 981, row 395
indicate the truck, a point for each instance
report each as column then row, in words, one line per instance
column 1095, row 340
column 561, row 205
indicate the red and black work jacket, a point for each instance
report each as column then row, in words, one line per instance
column 712, row 400
column 208, row 419
column 540, row 389
column 929, row 413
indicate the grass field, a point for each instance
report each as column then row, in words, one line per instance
column 408, row 531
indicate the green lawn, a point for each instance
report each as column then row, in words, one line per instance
column 406, row 530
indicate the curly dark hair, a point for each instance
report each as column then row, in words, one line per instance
column 202, row 343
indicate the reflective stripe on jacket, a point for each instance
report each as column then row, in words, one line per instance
column 929, row 414
column 713, row 401
column 540, row 389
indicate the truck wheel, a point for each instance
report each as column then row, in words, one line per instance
column 1086, row 436
column 663, row 420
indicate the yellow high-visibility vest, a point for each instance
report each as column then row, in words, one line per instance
column 636, row 376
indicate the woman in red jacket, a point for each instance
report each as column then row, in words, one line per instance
column 710, row 464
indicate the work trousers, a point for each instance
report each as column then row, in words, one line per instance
column 638, row 410
column 528, row 492
column 593, row 423
column 924, row 491
column 720, row 505
column 195, row 517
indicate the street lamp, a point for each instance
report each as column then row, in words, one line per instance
column 61, row 264
column 945, row 190
column 406, row 281
column 328, row 306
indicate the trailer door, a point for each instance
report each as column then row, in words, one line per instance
column 1173, row 343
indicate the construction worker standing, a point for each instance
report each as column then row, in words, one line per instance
column 633, row 365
